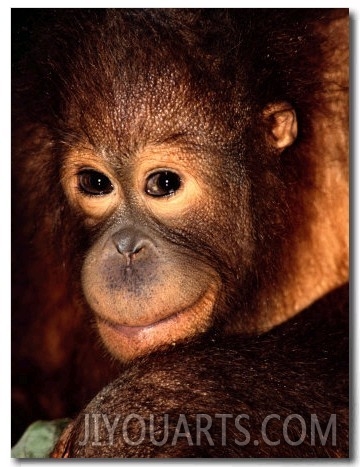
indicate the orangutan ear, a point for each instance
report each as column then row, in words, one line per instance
column 282, row 125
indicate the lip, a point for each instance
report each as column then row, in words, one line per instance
column 127, row 342
column 133, row 331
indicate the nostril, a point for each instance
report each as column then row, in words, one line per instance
column 137, row 249
column 129, row 250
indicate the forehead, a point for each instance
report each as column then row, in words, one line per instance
column 129, row 87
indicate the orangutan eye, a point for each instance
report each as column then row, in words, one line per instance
column 94, row 183
column 162, row 183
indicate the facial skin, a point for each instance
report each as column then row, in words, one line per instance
column 147, row 284
column 144, row 289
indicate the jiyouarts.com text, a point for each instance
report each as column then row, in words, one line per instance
column 294, row 429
